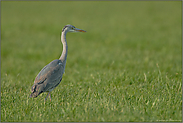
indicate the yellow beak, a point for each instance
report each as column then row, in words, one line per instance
column 79, row 30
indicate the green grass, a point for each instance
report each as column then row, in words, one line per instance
column 127, row 67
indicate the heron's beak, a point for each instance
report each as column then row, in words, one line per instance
column 79, row 30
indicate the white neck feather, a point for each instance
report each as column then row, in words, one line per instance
column 63, row 56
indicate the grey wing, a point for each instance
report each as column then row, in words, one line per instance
column 48, row 78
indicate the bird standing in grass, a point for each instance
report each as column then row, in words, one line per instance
column 51, row 75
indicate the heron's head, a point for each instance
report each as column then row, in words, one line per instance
column 71, row 28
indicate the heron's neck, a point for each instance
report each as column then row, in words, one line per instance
column 63, row 56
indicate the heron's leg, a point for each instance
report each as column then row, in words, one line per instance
column 49, row 96
column 46, row 97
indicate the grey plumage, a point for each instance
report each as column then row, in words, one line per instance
column 51, row 75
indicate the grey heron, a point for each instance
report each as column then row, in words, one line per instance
column 51, row 75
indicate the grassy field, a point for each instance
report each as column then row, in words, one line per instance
column 126, row 67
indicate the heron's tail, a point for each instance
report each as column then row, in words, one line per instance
column 35, row 94
column 32, row 95
column 35, row 91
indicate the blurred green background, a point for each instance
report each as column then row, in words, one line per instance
column 126, row 67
